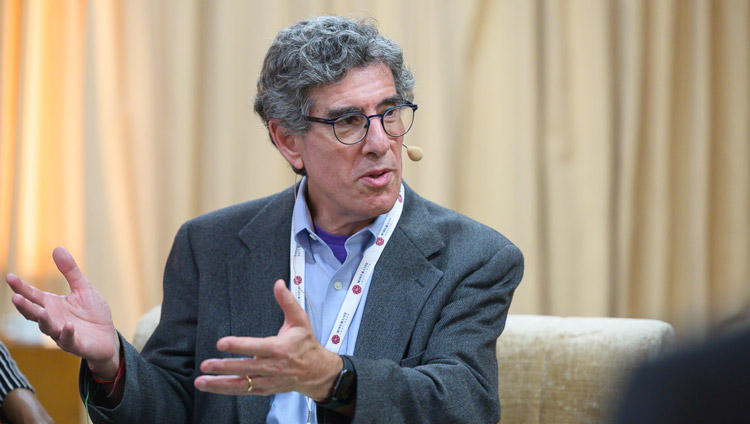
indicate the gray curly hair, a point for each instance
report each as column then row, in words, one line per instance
column 318, row 52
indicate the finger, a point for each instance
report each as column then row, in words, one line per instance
column 47, row 325
column 69, row 269
column 248, row 346
column 293, row 313
column 230, row 366
column 240, row 366
column 29, row 292
column 67, row 336
column 223, row 384
column 28, row 309
column 264, row 386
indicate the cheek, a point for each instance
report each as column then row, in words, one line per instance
column 334, row 166
column 397, row 150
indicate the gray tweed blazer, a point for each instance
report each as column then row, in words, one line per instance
column 425, row 352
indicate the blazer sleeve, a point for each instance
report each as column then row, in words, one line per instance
column 158, row 383
column 454, row 379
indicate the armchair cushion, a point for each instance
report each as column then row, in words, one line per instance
column 571, row 370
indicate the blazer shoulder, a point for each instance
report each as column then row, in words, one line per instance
column 426, row 218
column 232, row 219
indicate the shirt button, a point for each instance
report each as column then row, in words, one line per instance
column 337, row 285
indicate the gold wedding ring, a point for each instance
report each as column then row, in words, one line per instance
column 249, row 384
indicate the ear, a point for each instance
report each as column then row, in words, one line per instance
column 288, row 144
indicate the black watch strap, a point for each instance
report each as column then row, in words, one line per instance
column 345, row 388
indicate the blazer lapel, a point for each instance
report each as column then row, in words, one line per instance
column 252, row 274
column 400, row 285
column 254, row 270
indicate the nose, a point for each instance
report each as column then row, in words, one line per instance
column 376, row 141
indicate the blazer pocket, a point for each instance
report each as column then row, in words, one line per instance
column 412, row 361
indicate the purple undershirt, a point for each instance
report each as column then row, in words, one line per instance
column 335, row 242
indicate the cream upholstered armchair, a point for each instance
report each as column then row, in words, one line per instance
column 146, row 325
column 554, row 369
column 569, row 369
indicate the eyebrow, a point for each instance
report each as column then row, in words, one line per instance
column 388, row 101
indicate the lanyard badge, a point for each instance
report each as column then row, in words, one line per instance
column 361, row 279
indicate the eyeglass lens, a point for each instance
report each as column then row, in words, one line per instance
column 352, row 127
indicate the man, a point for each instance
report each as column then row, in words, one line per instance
column 18, row 403
column 391, row 305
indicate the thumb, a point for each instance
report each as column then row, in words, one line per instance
column 294, row 315
column 69, row 269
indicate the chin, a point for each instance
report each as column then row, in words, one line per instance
column 384, row 202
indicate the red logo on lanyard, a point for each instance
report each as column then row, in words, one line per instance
column 356, row 289
column 298, row 280
column 379, row 241
column 335, row 339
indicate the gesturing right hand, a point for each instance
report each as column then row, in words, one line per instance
column 80, row 322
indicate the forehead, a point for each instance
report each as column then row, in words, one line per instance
column 362, row 88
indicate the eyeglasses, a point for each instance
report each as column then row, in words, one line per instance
column 351, row 128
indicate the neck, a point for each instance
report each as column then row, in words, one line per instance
column 335, row 224
column 336, row 227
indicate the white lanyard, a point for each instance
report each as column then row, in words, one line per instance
column 359, row 282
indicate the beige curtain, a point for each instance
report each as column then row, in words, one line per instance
column 615, row 148
column 609, row 139
column 41, row 137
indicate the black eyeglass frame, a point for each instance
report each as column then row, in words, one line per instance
column 332, row 122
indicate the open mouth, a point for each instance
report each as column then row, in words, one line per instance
column 376, row 174
column 377, row 178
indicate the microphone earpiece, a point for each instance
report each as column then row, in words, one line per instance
column 415, row 153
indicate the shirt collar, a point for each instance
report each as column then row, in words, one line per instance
column 302, row 223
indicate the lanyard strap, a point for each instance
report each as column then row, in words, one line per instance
column 361, row 278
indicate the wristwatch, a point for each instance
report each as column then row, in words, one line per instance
column 345, row 388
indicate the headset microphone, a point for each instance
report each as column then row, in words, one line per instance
column 415, row 153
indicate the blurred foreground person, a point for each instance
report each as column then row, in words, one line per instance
column 703, row 384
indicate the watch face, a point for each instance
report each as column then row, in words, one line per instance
column 345, row 387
